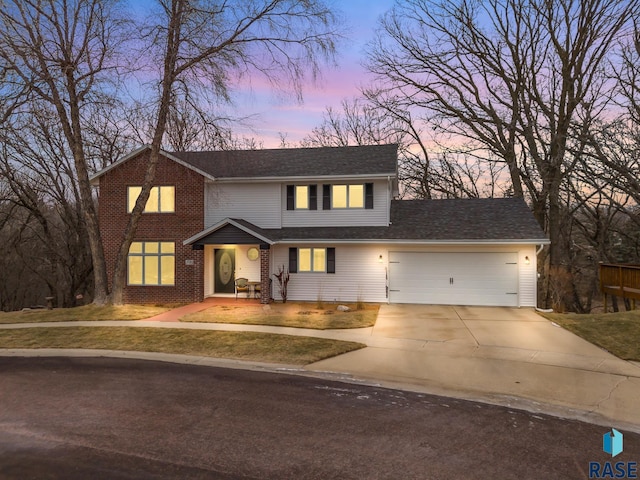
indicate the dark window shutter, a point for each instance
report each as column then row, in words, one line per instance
column 293, row 260
column 326, row 197
column 331, row 260
column 313, row 197
column 368, row 195
column 290, row 203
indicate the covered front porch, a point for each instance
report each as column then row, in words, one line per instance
column 225, row 264
column 233, row 251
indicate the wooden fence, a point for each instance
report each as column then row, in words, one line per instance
column 621, row 281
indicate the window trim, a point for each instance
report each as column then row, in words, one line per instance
column 159, row 255
column 156, row 188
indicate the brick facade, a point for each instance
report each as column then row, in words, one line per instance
column 187, row 220
column 265, row 284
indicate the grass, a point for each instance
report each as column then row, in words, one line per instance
column 299, row 315
column 618, row 333
column 85, row 313
column 237, row 345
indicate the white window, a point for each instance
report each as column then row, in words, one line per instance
column 347, row 196
column 312, row 259
column 302, row 197
column 161, row 199
column 151, row 263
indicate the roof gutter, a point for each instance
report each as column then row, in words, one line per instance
column 407, row 241
column 301, row 178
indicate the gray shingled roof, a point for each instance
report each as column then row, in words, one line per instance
column 295, row 162
column 465, row 219
column 488, row 219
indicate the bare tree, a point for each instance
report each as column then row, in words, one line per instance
column 627, row 73
column 203, row 45
column 60, row 53
column 422, row 174
column 356, row 123
column 363, row 122
column 519, row 79
column 66, row 53
column 188, row 127
column 43, row 227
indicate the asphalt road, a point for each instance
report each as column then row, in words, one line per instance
column 98, row 418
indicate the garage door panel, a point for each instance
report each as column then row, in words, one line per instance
column 454, row 278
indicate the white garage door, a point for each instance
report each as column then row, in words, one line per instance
column 454, row 278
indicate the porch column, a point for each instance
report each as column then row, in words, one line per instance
column 196, row 263
column 265, row 268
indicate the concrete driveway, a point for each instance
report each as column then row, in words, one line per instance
column 502, row 355
column 504, row 328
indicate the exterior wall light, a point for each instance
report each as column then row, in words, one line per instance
column 527, row 261
column 380, row 259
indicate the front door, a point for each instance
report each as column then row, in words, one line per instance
column 224, row 268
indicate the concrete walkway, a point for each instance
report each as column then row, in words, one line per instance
column 497, row 355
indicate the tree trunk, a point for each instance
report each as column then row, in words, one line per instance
column 169, row 76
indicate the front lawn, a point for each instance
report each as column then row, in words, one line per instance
column 86, row 313
column 261, row 347
column 299, row 315
column 618, row 333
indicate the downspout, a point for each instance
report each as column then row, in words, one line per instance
column 389, row 200
column 386, row 267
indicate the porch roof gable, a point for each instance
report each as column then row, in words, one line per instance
column 230, row 231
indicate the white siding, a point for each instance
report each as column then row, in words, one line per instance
column 245, row 268
column 377, row 216
column 258, row 203
column 360, row 275
column 528, row 281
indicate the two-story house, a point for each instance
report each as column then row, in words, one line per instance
column 327, row 215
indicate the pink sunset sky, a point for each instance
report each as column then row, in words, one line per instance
column 273, row 114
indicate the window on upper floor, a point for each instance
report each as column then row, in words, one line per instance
column 317, row 260
column 302, row 197
column 347, row 196
column 151, row 263
column 359, row 195
column 339, row 196
column 161, row 199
